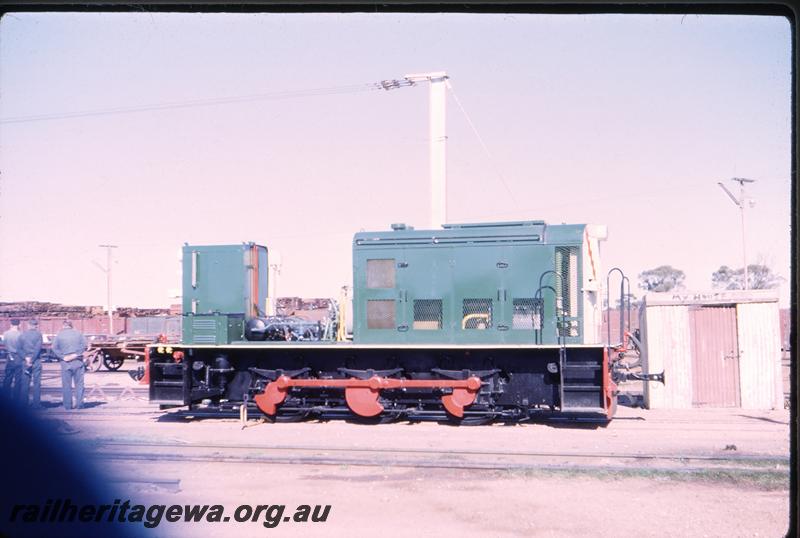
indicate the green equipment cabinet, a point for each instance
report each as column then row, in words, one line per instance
column 521, row 282
column 223, row 285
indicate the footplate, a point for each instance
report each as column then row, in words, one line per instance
column 362, row 394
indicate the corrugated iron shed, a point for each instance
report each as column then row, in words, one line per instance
column 667, row 348
column 717, row 348
column 760, row 355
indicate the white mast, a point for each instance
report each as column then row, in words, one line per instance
column 437, row 110
column 740, row 202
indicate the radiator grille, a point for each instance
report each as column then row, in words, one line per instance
column 380, row 273
column 381, row 314
column 527, row 314
column 567, row 290
column 427, row 314
column 204, row 325
column 205, row 338
column 204, row 331
column 477, row 314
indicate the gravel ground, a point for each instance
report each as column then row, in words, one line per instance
column 399, row 500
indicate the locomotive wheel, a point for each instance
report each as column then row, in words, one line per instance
column 470, row 420
column 113, row 363
column 383, row 418
column 287, row 418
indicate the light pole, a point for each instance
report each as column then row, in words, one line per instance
column 107, row 271
column 272, row 286
column 740, row 203
column 437, row 112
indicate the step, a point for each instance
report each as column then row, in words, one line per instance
column 583, row 410
column 167, row 383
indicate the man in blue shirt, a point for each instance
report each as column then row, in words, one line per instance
column 69, row 346
column 30, row 347
column 13, row 373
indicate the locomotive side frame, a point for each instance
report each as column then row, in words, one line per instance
column 516, row 381
column 472, row 321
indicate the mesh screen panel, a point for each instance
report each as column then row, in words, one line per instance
column 380, row 273
column 567, row 290
column 381, row 314
column 527, row 314
column 427, row 314
column 477, row 314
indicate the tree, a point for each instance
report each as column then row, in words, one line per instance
column 759, row 277
column 662, row 278
column 616, row 300
column 634, row 301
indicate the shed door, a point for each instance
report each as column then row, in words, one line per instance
column 715, row 356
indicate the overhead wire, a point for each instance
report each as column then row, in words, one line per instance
column 483, row 144
column 312, row 92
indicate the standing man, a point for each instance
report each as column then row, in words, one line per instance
column 30, row 347
column 13, row 374
column 69, row 346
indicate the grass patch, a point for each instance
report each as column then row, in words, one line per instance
column 774, row 463
column 765, row 480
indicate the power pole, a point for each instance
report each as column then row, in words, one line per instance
column 438, row 137
column 740, row 202
column 272, row 284
column 107, row 271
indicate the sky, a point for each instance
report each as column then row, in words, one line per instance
column 107, row 136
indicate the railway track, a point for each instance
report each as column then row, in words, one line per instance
column 133, row 402
column 170, row 452
column 128, row 411
column 427, row 451
column 125, row 408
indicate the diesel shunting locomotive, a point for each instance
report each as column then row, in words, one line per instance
column 470, row 323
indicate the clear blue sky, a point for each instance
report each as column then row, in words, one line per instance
column 628, row 121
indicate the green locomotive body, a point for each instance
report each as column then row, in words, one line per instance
column 469, row 322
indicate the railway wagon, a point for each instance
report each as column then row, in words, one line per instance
column 468, row 323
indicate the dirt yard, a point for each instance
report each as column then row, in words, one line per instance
column 705, row 472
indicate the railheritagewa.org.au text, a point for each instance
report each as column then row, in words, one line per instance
column 151, row 516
